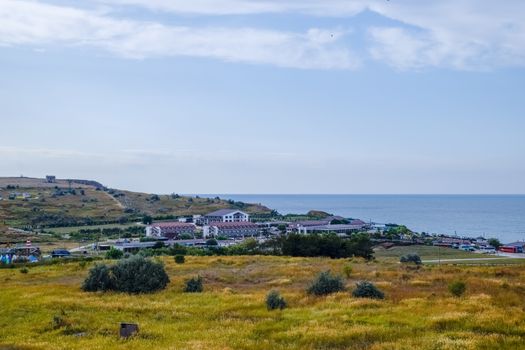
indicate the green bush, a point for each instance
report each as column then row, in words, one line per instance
column 139, row 275
column 212, row 241
column 179, row 259
column 114, row 254
column 100, row 278
column 134, row 275
column 194, row 285
column 325, row 283
column 457, row 288
column 159, row 245
column 367, row 289
column 411, row 258
column 24, row 270
column 275, row 301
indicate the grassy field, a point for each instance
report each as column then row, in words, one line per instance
column 44, row 207
column 418, row 312
column 63, row 230
column 426, row 253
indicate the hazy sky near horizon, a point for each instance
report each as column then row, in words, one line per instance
column 266, row 96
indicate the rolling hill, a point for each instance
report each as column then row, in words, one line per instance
column 36, row 203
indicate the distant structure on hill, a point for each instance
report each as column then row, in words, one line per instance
column 51, row 179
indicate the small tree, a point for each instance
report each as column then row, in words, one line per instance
column 114, row 254
column 274, row 301
column 147, row 220
column 325, row 283
column 367, row 289
column 159, row 245
column 194, row 285
column 133, row 275
column 411, row 258
column 495, row 243
column 179, row 259
column 138, row 275
column 457, row 288
column 212, row 242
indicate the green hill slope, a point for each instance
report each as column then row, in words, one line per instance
column 39, row 204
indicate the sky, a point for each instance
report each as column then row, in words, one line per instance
column 266, row 96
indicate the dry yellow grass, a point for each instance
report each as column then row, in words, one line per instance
column 418, row 312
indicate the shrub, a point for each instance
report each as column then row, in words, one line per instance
column 194, row 285
column 367, row 289
column 347, row 270
column 138, row 275
column 100, row 278
column 414, row 258
column 275, row 301
column 212, row 242
column 457, row 288
column 133, row 275
column 325, row 283
column 114, row 254
column 24, row 270
column 159, row 245
column 179, row 259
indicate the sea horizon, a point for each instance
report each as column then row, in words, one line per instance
column 487, row 215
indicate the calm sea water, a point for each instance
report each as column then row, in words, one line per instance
column 479, row 215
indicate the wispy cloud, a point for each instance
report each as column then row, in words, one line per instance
column 31, row 23
column 457, row 34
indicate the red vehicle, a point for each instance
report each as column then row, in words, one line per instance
column 511, row 249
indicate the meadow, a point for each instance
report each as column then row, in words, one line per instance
column 46, row 309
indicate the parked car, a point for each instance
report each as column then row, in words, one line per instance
column 467, row 248
column 60, row 253
column 487, row 250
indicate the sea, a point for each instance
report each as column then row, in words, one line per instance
column 500, row 216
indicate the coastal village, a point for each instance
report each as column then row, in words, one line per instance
column 224, row 228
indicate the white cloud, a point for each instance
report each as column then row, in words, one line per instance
column 33, row 23
column 457, row 34
column 244, row 7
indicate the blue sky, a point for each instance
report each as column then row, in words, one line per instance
column 248, row 96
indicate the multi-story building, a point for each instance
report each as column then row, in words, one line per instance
column 225, row 215
column 230, row 229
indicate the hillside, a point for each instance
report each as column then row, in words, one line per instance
column 37, row 203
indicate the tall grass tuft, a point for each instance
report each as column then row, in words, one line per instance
column 457, row 288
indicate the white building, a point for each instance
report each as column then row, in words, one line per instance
column 225, row 215
column 230, row 229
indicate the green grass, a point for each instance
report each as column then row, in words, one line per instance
column 427, row 253
column 63, row 230
column 418, row 312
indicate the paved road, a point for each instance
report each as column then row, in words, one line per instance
column 474, row 259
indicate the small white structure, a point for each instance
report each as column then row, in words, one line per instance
column 225, row 215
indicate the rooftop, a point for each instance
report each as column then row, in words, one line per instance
column 172, row 224
column 222, row 212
